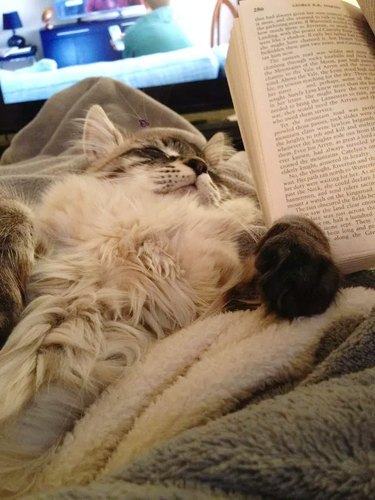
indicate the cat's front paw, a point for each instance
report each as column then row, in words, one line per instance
column 295, row 271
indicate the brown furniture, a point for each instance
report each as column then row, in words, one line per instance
column 215, row 24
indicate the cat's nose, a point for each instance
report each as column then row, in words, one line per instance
column 197, row 164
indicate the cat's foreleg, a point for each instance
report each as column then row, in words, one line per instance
column 17, row 245
column 295, row 272
column 290, row 268
column 247, row 232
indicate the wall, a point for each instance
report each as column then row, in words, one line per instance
column 194, row 15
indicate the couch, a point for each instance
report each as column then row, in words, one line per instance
column 44, row 79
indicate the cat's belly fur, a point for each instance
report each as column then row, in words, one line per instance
column 126, row 251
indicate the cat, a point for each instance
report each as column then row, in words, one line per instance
column 143, row 243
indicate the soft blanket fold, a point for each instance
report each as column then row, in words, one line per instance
column 230, row 360
column 236, row 406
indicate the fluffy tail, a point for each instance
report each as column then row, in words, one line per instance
column 55, row 363
column 27, row 442
column 18, row 366
column 50, row 345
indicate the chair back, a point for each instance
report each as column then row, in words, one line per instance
column 215, row 24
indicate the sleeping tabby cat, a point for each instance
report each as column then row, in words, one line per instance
column 142, row 244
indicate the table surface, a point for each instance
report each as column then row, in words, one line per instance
column 22, row 52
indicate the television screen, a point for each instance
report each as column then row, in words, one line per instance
column 69, row 9
column 187, row 81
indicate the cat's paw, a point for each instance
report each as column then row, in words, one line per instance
column 16, row 259
column 295, row 272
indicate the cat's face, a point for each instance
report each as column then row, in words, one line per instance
column 155, row 161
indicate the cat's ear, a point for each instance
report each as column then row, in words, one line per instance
column 218, row 149
column 99, row 134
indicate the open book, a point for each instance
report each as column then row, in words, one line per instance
column 302, row 79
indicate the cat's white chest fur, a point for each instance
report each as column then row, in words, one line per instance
column 146, row 250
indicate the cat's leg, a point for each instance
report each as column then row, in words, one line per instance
column 296, row 275
column 17, row 244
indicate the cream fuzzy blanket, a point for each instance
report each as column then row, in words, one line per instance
column 235, row 406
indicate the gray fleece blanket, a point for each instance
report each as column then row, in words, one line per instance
column 236, row 406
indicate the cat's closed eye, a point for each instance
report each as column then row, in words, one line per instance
column 148, row 154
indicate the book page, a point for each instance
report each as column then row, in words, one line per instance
column 312, row 75
column 236, row 70
column 368, row 9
